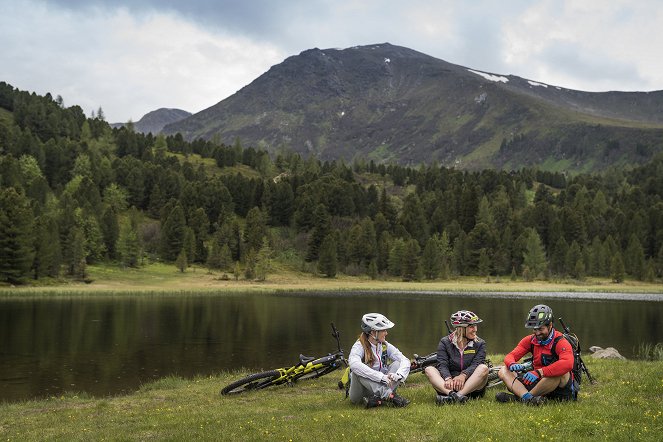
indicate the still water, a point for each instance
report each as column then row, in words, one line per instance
column 112, row 345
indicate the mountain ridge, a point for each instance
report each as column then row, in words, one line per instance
column 154, row 121
column 389, row 103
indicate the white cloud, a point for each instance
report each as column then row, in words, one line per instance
column 131, row 57
column 126, row 64
column 591, row 45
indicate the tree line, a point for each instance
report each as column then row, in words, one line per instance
column 74, row 191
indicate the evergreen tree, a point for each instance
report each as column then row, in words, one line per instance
column 410, row 262
column 321, row 228
column 635, row 258
column 189, row 244
column 372, row 269
column 181, row 262
column 75, row 258
column 16, row 241
column 534, row 256
column 200, row 225
column 48, row 255
column 617, row 271
column 395, row 265
column 128, row 245
column 558, row 257
column 431, row 261
column 172, row 234
column 110, row 230
column 327, row 261
column 484, row 263
column 256, row 229
column 250, row 269
column 263, row 261
column 573, row 257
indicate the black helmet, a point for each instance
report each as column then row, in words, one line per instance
column 538, row 316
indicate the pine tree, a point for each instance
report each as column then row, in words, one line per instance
column 395, row 265
column 110, row 229
column 128, row 246
column 181, row 262
column 635, row 258
column 263, row 261
column 534, row 256
column 16, row 241
column 617, row 271
column 431, row 260
column 410, row 264
column 256, row 229
column 172, row 234
column 48, row 255
column 327, row 261
column 321, row 228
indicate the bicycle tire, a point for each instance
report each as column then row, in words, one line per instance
column 493, row 379
column 255, row 381
column 317, row 373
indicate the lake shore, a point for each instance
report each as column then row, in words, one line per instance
column 166, row 278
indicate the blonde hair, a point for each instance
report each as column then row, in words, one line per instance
column 460, row 334
column 368, row 352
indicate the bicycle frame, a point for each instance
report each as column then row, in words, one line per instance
column 306, row 368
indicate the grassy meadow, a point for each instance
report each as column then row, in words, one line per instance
column 625, row 405
column 158, row 277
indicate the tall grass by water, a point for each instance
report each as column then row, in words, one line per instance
column 625, row 405
column 650, row 352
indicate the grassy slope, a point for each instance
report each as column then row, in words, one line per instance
column 163, row 277
column 624, row 405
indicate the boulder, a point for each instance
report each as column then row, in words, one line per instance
column 605, row 353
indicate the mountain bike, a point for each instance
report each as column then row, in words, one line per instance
column 306, row 368
column 419, row 363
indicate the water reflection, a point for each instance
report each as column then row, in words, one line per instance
column 111, row 345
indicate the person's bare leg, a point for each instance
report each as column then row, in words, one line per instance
column 477, row 381
column 436, row 380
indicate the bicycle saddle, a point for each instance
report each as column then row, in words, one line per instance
column 305, row 359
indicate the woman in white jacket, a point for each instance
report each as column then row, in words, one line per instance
column 377, row 368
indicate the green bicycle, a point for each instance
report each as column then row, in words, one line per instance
column 306, row 368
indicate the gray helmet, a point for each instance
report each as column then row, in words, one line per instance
column 375, row 321
column 538, row 316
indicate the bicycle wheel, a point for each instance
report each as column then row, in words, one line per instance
column 255, row 381
column 317, row 373
column 493, row 378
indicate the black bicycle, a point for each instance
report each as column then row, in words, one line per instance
column 306, row 368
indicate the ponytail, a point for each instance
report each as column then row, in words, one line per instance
column 368, row 352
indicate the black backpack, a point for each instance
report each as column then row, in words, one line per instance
column 575, row 346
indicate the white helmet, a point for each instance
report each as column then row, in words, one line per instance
column 375, row 321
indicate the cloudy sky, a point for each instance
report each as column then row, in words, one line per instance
column 133, row 56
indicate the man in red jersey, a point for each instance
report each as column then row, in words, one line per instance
column 552, row 359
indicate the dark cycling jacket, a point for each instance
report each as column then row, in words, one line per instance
column 451, row 362
column 551, row 364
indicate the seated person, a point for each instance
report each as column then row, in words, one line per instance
column 552, row 359
column 377, row 368
column 461, row 371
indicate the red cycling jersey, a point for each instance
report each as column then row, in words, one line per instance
column 563, row 353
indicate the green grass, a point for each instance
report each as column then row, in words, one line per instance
column 624, row 405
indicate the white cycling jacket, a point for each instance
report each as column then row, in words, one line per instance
column 378, row 371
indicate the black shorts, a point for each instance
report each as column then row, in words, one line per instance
column 566, row 393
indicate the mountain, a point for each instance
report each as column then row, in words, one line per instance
column 389, row 103
column 155, row 121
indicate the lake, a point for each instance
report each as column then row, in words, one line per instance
column 107, row 345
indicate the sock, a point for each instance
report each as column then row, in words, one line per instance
column 526, row 396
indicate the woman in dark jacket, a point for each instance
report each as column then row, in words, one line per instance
column 461, row 371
